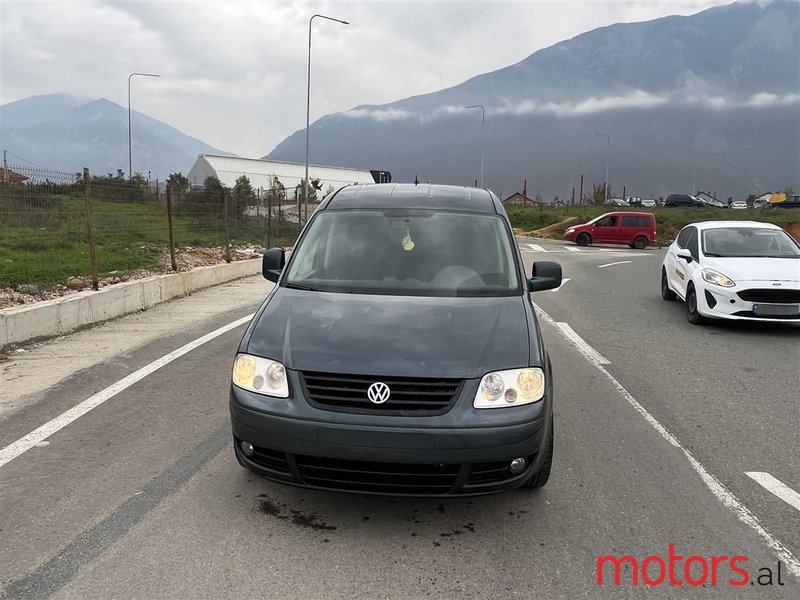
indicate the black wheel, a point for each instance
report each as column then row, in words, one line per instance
column 640, row 243
column 695, row 318
column 539, row 479
column 666, row 293
column 583, row 239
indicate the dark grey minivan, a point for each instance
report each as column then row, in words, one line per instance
column 399, row 352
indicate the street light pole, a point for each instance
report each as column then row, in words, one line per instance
column 608, row 151
column 308, row 107
column 483, row 135
column 130, row 154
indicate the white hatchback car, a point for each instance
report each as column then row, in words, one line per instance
column 741, row 270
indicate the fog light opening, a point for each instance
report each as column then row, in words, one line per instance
column 518, row 465
column 247, row 449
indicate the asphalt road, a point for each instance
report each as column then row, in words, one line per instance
column 141, row 497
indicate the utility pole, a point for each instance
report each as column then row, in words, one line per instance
column 5, row 166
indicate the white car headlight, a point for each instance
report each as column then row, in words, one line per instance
column 515, row 387
column 717, row 278
column 260, row 375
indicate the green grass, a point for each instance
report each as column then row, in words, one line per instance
column 669, row 221
column 129, row 236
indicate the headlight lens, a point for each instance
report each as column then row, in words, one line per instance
column 510, row 388
column 571, row 230
column 717, row 278
column 260, row 375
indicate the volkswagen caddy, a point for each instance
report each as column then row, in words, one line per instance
column 398, row 352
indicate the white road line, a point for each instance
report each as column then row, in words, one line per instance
column 536, row 247
column 593, row 355
column 777, row 487
column 621, row 262
column 720, row 492
column 563, row 281
column 572, row 248
column 36, row 436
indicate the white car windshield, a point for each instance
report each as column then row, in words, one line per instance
column 749, row 242
column 406, row 252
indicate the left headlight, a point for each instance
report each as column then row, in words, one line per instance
column 260, row 375
column 515, row 387
column 717, row 278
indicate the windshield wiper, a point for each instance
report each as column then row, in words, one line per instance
column 302, row 286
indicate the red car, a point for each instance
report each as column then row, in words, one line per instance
column 636, row 229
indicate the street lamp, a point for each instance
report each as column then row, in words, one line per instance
column 608, row 150
column 130, row 156
column 483, row 127
column 308, row 105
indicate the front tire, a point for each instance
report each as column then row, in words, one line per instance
column 666, row 293
column 694, row 317
column 540, row 478
column 583, row 239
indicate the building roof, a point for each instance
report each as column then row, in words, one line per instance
column 12, row 176
column 230, row 168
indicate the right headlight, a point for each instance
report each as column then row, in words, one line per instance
column 515, row 387
column 260, row 375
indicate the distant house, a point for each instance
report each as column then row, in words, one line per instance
column 519, row 198
column 12, row 176
column 770, row 198
column 229, row 168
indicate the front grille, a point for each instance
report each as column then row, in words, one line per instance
column 271, row 459
column 348, row 393
column 377, row 477
column 775, row 296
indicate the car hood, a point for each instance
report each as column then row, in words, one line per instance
column 393, row 335
column 756, row 269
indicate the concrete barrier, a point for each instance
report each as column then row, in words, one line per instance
column 50, row 318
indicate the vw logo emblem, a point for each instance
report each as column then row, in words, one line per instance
column 378, row 392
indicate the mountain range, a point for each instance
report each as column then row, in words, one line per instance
column 66, row 133
column 710, row 101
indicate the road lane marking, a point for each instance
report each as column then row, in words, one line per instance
column 572, row 249
column 777, row 487
column 717, row 488
column 622, row 262
column 38, row 435
column 563, row 281
column 593, row 355
column 536, row 247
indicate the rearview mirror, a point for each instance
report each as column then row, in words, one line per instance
column 545, row 275
column 685, row 255
column 273, row 263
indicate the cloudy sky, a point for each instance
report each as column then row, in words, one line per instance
column 233, row 73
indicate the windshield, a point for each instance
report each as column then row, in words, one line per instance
column 419, row 253
column 749, row 242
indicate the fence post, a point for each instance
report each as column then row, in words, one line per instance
column 171, row 231
column 280, row 217
column 269, row 218
column 90, row 228
column 227, row 230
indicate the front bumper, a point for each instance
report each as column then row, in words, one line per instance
column 461, row 452
column 728, row 303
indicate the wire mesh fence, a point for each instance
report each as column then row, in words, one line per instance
column 76, row 229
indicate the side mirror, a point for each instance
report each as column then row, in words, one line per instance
column 273, row 263
column 545, row 275
column 685, row 255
